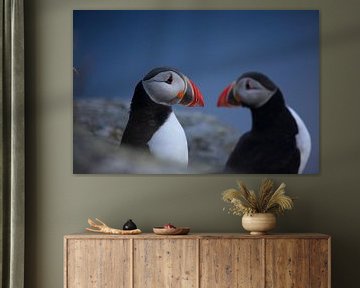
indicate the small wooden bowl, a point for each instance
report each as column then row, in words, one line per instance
column 171, row 231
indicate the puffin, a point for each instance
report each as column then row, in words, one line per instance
column 153, row 125
column 278, row 141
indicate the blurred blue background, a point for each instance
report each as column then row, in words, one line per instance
column 114, row 49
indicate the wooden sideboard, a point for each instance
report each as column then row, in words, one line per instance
column 197, row 260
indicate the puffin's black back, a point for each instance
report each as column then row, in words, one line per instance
column 145, row 118
column 270, row 146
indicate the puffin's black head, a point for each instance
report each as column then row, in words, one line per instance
column 252, row 89
column 168, row 86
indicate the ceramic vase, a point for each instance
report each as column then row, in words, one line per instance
column 259, row 223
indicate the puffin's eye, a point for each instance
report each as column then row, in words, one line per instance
column 169, row 80
column 247, row 85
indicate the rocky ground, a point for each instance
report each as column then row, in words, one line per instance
column 98, row 128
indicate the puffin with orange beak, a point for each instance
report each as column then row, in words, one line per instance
column 278, row 141
column 152, row 123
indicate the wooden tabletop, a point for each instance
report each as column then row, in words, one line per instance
column 89, row 235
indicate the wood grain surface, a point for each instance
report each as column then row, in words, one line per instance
column 197, row 260
column 320, row 263
column 228, row 263
column 287, row 263
column 98, row 263
column 165, row 263
column 88, row 235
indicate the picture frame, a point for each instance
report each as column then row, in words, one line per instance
column 113, row 134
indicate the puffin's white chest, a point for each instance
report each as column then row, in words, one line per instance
column 303, row 140
column 169, row 142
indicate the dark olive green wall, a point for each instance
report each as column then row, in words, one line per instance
column 59, row 202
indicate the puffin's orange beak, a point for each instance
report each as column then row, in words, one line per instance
column 227, row 97
column 198, row 97
column 192, row 96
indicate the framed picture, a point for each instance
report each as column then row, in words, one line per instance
column 168, row 92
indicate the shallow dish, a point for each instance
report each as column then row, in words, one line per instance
column 171, row 231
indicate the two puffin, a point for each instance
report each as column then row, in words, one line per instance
column 152, row 124
column 278, row 142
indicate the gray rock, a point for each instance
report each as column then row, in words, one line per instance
column 100, row 123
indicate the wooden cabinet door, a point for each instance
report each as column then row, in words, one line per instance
column 98, row 263
column 297, row 263
column 287, row 263
column 320, row 263
column 231, row 263
column 210, row 261
column 165, row 263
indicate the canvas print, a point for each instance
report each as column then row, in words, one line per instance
column 195, row 92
